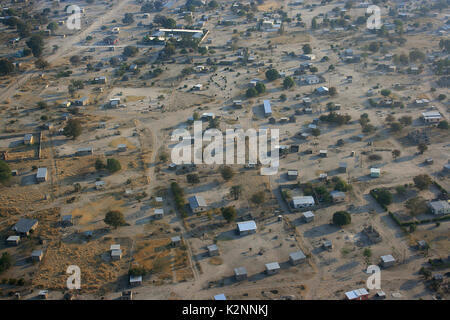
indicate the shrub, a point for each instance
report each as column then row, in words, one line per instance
column 422, row 181
column 5, row 172
column 226, row 172
column 229, row 213
column 113, row 165
column 192, row 178
column 258, row 198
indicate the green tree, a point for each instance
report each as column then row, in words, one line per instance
column 5, row 172
column 288, row 82
column 422, row 181
column 227, row 172
column 258, row 198
column 99, row 164
column 443, row 125
column 385, row 92
column 73, row 128
column 251, row 92
column 229, row 213
column 6, row 67
column 114, row 218
column 384, row 196
column 36, row 44
column 333, row 91
column 315, row 132
column 307, row 49
column 272, row 74
column 396, row 153
column 6, row 261
column 236, row 191
column 192, row 178
column 260, row 87
column 52, row 26
column 341, row 218
column 422, row 147
column 130, row 51
column 113, row 165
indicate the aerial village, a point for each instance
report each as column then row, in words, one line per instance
column 92, row 90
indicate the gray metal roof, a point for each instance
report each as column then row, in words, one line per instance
column 336, row 193
column 36, row 253
column 299, row 255
column 175, row 239
column 240, row 271
column 25, row 225
column 439, row 205
column 267, row 107
column 212, row 247
column 196, row 202
column 41, row 173
column 303, row 200
column 308, row 214
column 246, row 225
column 387, row 258
column 272, row 266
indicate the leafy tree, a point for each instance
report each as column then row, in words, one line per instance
column 288, row 82
column 384, row 196
column 74, row 60
column 128, row 18
column 73, row 128
column 114, row 218
column 6, row 67
column 422, row 181
column 202, row 50
column 385, row 92
column 6, row 261
column 396, row 126
column 229, row 213
column 258, row 198
column 396, row 153
column 307, row 49
column 422, row 147
column 443, row 125
column 341, row 218
column 41, row 64
column 5, row 172
column 374, row 46
column 113, row 165
column 260, row 87
column 315, row 132
column 99, row 164
column 405, row 120
column 251, row 92
column 333, row 91
column 52, row 26
column 227, row 173
column 272, row 74
column 236, row 191
column 192, row 178
column 130, row 51
column 36, row 44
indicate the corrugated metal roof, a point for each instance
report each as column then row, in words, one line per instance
column 246, row 225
